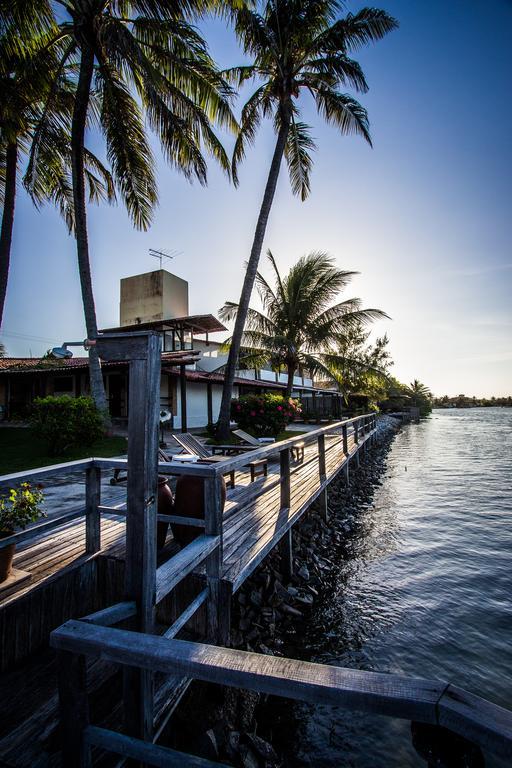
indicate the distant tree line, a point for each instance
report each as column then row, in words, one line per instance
column 464, row 401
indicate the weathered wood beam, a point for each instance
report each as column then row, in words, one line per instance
column 176, row 568
column 147, row 753
column 92, row 514
column 54, row 469
column 74, row 709
column 107, row 617
column 394, row 695
column 187, row 614
column 423, row 700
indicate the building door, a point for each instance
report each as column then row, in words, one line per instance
column 117, row 395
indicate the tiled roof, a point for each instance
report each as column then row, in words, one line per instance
column 203, row 377
column 24, row 364
column 28, row 364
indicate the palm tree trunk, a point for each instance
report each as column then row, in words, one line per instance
column 250, row 276
column 11, row 167
column 289, row 383
column 82, row 244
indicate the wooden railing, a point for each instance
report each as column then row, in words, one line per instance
column 428, row 701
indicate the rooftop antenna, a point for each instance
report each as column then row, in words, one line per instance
column 161, row 254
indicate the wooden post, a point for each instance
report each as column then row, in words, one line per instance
column 347, row 473
column 140, row 567
column 321, row 457
column 286, row 551
column 345, row 439
column 183, row 398
column 209, row 402
column 213, row 527
column 74, row 709
column 356, row 432
column 284, row 461
column 92, row 514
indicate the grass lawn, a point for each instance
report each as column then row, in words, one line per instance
column 20, row 450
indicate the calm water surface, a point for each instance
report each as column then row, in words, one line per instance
column 426, row 586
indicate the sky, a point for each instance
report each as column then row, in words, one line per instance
column 424, row 216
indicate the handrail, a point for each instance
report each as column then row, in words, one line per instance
column 176, row 568
column 237, row 462
column 53, row 469
column 419, row 699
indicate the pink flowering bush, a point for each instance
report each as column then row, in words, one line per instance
column 264, row 415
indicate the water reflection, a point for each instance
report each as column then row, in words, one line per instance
column 423, row 590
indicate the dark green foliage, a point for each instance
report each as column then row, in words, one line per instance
column 66, row 422
column 264, row 415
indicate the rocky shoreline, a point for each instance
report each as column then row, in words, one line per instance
column 271, row 614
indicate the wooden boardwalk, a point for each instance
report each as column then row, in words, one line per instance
column 253, row 523
column 256, row 518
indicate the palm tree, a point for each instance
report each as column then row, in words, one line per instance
column 25, row 78
column 420, row 396
column 299, row 327
column 297, row 46
column 361, row 367
column 137, row 57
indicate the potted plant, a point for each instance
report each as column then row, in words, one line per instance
column 17, row 510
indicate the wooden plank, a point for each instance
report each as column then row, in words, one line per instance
column 284, row 462
column 476, row 719
column 321, row 456
column 112, row 615
column 176, row 568
column 213, row 527
column 74, row 709
column 53, row 469
column 147, row 753
column 165, row 467
column 387, row 694
column 140, row 570
column 92, row 514
column 186, row 615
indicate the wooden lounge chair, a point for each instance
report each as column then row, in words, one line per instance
column 191, row 444
column 297, row 450
column 257, row 442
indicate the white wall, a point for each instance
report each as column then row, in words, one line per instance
column 197, row 404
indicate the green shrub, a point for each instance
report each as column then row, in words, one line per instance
column 264, row 415
column 66, row 422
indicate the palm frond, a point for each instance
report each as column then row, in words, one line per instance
column 128, row 151
column 298, row 158
column 344, row 112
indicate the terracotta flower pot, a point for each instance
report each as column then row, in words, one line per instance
column 6, row 556
column 189, row 502
column 164, row 507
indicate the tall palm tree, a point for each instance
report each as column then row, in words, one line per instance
column 25, row 77
column 137, row 57
column 297, row 46
column 299, row 326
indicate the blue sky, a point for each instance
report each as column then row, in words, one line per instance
column 424, row 216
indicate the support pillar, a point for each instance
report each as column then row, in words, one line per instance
column 286, row 551
column 183, row 398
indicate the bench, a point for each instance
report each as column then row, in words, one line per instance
column 297, row 451
column 258, row 467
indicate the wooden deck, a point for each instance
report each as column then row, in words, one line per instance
column 69, row 578
column 253, row 523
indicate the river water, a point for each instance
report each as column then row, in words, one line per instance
column 424, row 587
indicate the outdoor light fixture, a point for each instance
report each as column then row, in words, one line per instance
column 63, row 353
